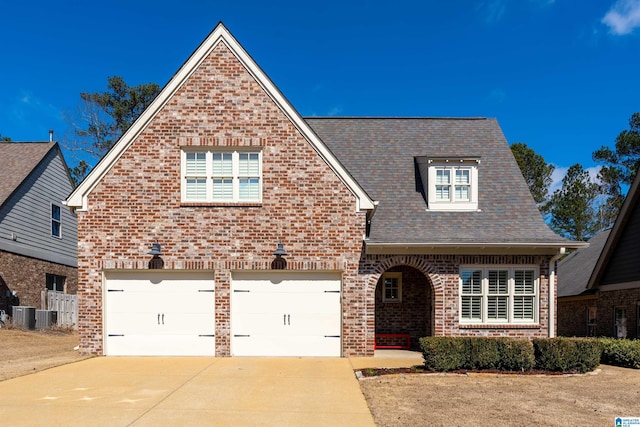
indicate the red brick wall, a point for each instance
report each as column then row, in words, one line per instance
column 27, row 277
column 572, row 315
column 305, row 205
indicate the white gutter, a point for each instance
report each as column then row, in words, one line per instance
column 552, row 287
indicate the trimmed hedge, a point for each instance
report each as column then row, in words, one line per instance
column 567, row 354
column 625, row 353
column 444, row 354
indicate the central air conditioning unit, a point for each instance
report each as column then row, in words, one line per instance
column 24, row 317
column 45, row 319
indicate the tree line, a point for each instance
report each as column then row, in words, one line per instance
column 580, row 208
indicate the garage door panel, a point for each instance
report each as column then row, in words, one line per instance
column 139, row 301
column 286, row 314
column 266, row 302
column 159, row 313
column 287, row 346
column 157, row 324
column 149, row 345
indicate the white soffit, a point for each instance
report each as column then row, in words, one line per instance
column 78, row 199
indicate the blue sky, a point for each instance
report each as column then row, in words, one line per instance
column 560, row 75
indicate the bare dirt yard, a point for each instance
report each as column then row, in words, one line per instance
column 504, row 400
column 26, row 352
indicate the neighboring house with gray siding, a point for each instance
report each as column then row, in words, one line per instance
column 599, row 287
column 38, row 233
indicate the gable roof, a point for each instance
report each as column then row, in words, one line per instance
column 78, row 199
column 575, row 270
column 629, row 206
column 381, row 154
column 17, row 161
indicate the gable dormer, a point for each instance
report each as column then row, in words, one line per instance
column 449, row 183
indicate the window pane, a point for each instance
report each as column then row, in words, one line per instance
column 472, row 308
column 196, row 188
column 55, row 228
column 497, row 308
column 249, row 164
column 498, row 282
column 196, row 164
column 471, row 282
column 391, row 288
column 442, row 176
column 462, row 193
column 524, row 283
column 55, row 212
column 249, row 189
column 462, row 176
column 442, row 192
column 222, row 188
column 523, row 308
column 222, row 164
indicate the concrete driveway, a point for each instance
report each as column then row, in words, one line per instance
column 153, row 391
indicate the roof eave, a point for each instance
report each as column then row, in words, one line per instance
column 488, row 248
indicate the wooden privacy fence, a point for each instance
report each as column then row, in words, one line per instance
column 65, row 304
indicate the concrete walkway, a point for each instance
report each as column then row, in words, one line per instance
column 148, row 391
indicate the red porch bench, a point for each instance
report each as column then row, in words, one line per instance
column 403, row 340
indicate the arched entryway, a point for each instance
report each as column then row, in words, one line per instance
column 403, row 305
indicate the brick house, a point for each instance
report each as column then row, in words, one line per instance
column 38, row 234
column 279, row 235
column 599, row 286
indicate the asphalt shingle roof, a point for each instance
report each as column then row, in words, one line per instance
column 575, row 270
column 380, row 152
column 17, row 160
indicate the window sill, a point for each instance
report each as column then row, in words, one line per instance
column 500, row 326
column 222, row 204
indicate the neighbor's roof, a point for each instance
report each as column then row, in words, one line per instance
column 575, row 270
column 380, row 152
column 17, row 160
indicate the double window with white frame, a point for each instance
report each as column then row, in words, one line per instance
column 452, row 184
column 499, row 295
column 221, row 176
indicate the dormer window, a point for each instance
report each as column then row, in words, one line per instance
column 450, row 184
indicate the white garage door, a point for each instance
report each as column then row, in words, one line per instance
column 285, row 314
column 159, row 314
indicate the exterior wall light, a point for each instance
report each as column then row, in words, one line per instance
column 156, row 263
column 279, row 263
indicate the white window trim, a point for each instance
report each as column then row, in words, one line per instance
column 51, row 220
column 209, row 151
column 484, row 320
column 452, row 204
column 397, row 276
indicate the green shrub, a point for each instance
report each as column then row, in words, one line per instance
column 516, row 354
column 567, row 354
column 477, row 353
column 619, row 352
column 442, row 354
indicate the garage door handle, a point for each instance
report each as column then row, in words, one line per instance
column 206, row 335
column 205, row 290
column 116, row 335
column 160, row 317
column 331, row 292
column 287, row 319
column 115, row 290
column 241, row 336
column 332, row 336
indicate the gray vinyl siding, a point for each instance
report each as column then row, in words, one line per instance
column 27, row 214
column 624, row 264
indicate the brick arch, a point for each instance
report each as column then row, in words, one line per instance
column 417, row 262
column 421, row 264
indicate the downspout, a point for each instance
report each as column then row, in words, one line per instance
column 552, row 294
